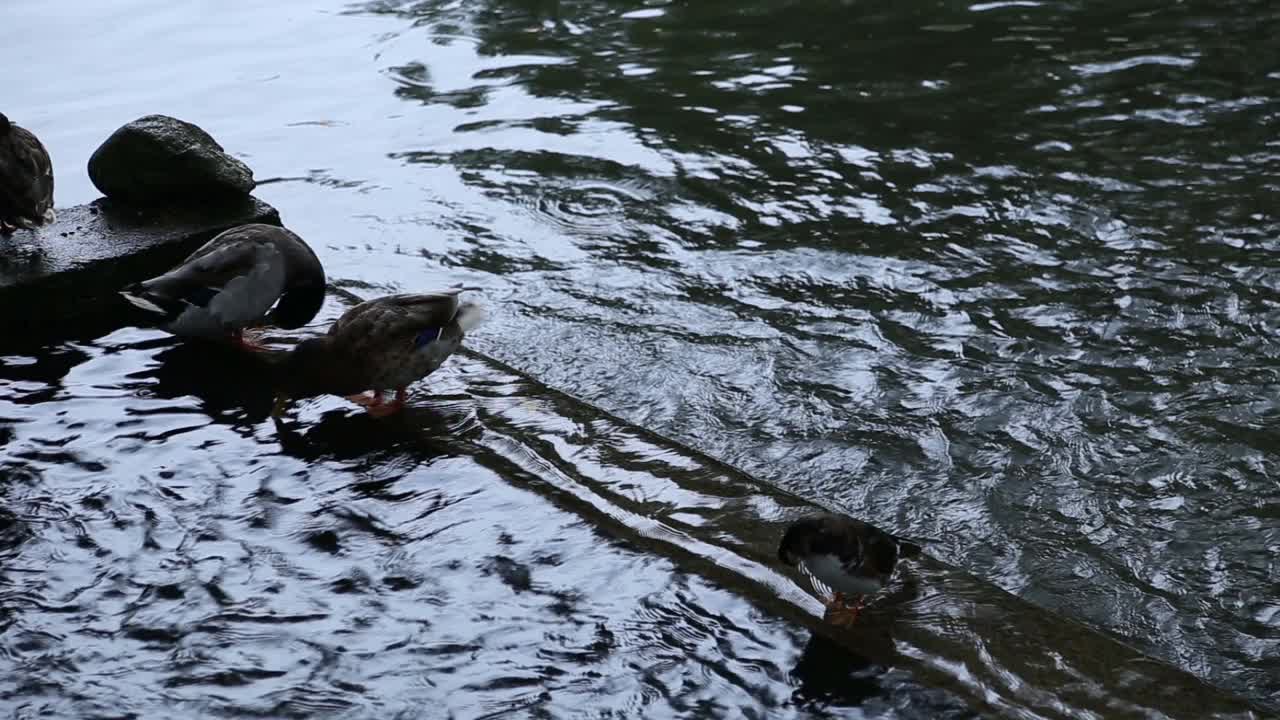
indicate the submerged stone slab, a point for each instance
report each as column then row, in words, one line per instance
column 498, row 545
column 165, row 531
column 946, row 628
column 67, row 273
column 949, row 629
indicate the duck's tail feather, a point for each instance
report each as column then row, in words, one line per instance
column 157, row 303
column 31, row 222
column 139, row 300
column 822, row 588
column 908, row 549
column 469, row 316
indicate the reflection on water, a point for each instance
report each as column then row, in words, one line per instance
column 998, row 275
column 994, row 274
column 164, row 550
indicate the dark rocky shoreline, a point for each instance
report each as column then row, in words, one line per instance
column 68, row 273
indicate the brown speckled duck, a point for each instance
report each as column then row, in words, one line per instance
column 849, row 556
column 231, row 283
column 379, row 345
column 26, row 179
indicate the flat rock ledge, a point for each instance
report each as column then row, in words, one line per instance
column 67, row 275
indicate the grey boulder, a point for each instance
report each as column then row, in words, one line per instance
column 161, row 160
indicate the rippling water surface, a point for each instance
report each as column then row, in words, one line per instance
column 999, row 275
column 168, row 550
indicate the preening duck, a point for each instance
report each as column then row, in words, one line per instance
column 26, row 179
column 849, row 556
column 383, row 344
column 231, row 283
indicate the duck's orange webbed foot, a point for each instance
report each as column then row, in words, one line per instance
column 841, row 613
column 383, row 409
column 248, row 341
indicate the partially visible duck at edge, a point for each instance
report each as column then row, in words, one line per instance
column 383, row 344
column 232, row 283
column 26, row 179
column 849, row 556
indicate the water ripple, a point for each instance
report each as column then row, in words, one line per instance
column 995, row 274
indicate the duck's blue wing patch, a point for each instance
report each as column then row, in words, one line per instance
column 426, row 336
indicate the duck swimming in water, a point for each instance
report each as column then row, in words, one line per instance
column 231, row 283
column 849, row 556
column 26, row 179
column 380, row 345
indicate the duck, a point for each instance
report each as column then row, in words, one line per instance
column 379, row 345
column 232, row 283
column 26, row 179
column 852, row 557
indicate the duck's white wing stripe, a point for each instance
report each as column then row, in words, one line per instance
column 144, row 303
column 817, row 584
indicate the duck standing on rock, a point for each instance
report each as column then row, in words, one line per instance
column 26, row 179
column 381, row 344
column 849, row 556
column 231, row 283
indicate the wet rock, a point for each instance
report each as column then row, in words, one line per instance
column 161, row 160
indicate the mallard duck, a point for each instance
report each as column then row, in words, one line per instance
column 231, row 283
column 379, row 345
column 26, row 179
column 849, row 556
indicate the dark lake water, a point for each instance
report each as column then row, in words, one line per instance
column 166, row 552
column 1004, row 276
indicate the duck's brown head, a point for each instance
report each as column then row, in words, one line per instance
column 298, row 305
column 313, row 367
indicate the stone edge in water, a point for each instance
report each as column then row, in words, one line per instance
column 955, row 631
column 64, row 278
column 68, row 282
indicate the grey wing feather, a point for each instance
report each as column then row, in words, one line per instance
column 395, row 315
column 843, row 536
column 818, row 585
column 245, row 299
column 26, row 178
column 248, row 277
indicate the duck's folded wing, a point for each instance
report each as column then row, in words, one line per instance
column 246, row 297
column 26, row 178
column 236, row 281
column 12, row 193
column 40, row 191
column 396, row 317
column 908, row 549
column 842, row 537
